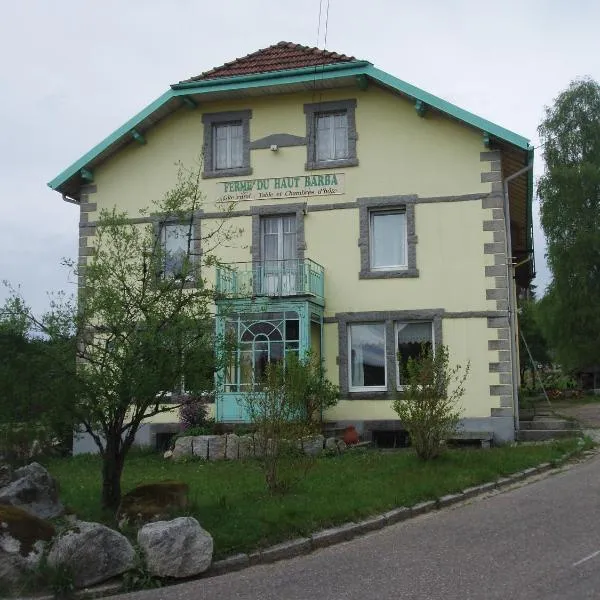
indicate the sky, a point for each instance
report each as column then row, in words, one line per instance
column 73, row 71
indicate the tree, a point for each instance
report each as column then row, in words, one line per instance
column 429, row 404
column 36, row 393
column 569, row 194
column 530, row 329
column 143, row 323
column 284, row 407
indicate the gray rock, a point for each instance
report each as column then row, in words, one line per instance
column 5, row 475
column 177, row 548
column 14, row 566
column 34, row 490
column 182, row 448
column 313, row 445
column 216, row 447
column 92, row 553
column 245, row 446
column 331, row 444
column 233, row 447
column 341, row 446
column 200, row 446
column 168, row 454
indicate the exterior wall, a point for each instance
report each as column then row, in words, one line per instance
column 433, row 163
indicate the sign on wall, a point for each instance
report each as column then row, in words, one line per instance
column 325, row 184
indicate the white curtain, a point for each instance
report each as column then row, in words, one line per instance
column 388, row 240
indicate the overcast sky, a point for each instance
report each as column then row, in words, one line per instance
column 72, row 71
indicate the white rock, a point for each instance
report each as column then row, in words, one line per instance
column 233, row 447
column 168, row 454
column 92, row 552
column 313, row 445
column 183, row 447
column 216, row 447
column 34, row 490
column 177, row 548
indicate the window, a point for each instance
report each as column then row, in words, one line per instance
column 388, row 240
column 175, row 241
column 331, row 134
column 367, row 357
column 411, row 339
column 279, row 256
column 227, row 143
column 387, row 237
column 228, row 146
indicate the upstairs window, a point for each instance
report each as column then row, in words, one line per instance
column 226, row 144
column 331, row 134
column 388, row 240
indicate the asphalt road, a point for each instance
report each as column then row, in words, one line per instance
column 539, row 541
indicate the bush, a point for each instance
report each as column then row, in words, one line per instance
column 193, row 412
column 428, row 408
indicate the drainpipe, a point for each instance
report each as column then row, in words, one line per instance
column 512, row 295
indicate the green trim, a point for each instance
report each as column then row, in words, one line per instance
column 358, row 69
column 448, row 108
column 486, row 139
column 420, row 107
column 189, row 101
column 138, row 137
column 124, row 130
column 362, row 82
column 87, row 175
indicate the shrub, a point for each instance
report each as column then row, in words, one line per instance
column 193, row 412
column 428, row 407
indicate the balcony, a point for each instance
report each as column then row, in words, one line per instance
column 272, row 279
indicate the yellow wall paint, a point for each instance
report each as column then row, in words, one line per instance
column 399, row 153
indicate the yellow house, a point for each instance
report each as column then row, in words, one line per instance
column 376, row 217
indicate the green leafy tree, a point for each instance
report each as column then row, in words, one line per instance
column 429, row 407
column 569, row 193
column 141, row 332
column 531, row 329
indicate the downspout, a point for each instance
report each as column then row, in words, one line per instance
column 512, row 294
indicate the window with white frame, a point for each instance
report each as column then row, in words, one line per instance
column 387, row 240
column 412, row 340
column 228, row 145
column 367, row 357
column 175, row 242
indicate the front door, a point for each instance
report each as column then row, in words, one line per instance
column 279, row 256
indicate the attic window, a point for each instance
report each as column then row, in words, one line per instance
column 227, row 144
column 331, row 134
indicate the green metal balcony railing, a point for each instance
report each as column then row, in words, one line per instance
column 272, row 278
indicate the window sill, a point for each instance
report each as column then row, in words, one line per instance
column 381, row 395
column 331, row 164
column 402, row 273
column 227, row 173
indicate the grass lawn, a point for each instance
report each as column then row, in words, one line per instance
column 229, row 499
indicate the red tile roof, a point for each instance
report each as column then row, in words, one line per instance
column 284, row 55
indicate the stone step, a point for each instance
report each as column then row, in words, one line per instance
column 540, row 435
column 546, row 423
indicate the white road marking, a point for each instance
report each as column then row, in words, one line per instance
column 587, row 558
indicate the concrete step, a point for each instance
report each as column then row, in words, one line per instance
column 540, row 435
column 547, row 423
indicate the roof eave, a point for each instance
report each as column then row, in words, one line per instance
column 287, row 77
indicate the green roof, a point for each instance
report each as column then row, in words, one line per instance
column 279, row 78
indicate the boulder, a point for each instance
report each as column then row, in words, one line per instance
column 183, row 447
column 33, row 489
column 341, row 446
column 313, row 445
column 92, row 553
column 5, row 475
column 153, row 501
column 168, row 454
column 331, row 444
column 22, row 540
column 245, row 446
column 233, row 447
column 200, row 446
column 177, row 548
column 216, row 447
